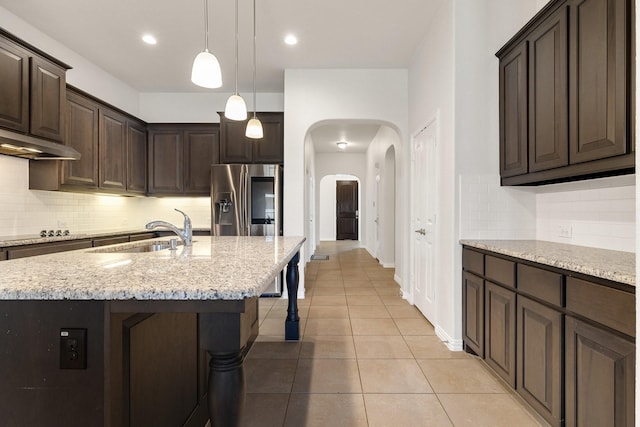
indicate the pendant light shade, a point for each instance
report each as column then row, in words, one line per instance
column 236, row 109
column 206, row 68
column 254, row 127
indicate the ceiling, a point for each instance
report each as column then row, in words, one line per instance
column 331, row 33
column 358, row 136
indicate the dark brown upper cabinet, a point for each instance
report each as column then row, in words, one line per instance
column 548, row 73
column 235, row 147
column 14, row 85
column 82, row 134
column 33, row 85
column 136, row 157
column 113, row 148
column 599, row 58
column 565, row 101
column 48, row 88
column 513, row 112
column 180, row 158
column 112, row 144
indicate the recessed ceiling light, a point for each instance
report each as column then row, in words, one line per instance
column 149, row 39
column 291, row 40
column 341, row 145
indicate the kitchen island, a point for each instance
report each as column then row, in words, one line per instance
column 110, row 337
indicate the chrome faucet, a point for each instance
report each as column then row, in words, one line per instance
column 186, row 234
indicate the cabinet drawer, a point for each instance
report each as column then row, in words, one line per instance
column 500, row 270
column 608, row 306
column 47, row 248
column 473, row 261
column 542, row 284
column 104, row 241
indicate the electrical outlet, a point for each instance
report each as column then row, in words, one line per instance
column 564, row 231
column 73, row 348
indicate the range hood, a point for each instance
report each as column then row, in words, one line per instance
column 29, row 147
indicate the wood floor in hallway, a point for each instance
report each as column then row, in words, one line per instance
column 366, row 358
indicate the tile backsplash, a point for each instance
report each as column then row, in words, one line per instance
column 597, row 213
column 26, row 212
column 488, row 211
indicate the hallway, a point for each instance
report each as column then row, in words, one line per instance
column 366, row 358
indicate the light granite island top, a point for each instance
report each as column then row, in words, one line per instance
column 107, row 338
column 213, row 268
column 617, row 266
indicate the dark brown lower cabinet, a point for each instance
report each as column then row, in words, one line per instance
column 46, row 248
column 600, row 375
column 473, row 312
column 500, row 331
column 3, row 255
column 539, row 365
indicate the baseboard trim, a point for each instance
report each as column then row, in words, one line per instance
column 388, row 265
column 397, row 279
column 452, row 344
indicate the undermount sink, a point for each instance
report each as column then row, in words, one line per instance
column 137, row 247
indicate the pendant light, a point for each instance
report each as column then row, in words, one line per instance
column 206, row 68
column 236, row 109
column 254, row 127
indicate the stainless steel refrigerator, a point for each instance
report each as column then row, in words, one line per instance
column 246, row 200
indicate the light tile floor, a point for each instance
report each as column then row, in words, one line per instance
column 366, row 358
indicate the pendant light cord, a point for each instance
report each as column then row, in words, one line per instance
column 254, row 59
column 206, row 25
column 236, row 47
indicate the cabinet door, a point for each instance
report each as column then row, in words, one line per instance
column 14, row 87
column 548, row 109
column 48, row 88
column 269, row 149
column 136, row 158
column 513, row 112
column 201, row 151
column 539, row 364
column 112, row 145
column 473, row 312
column 500, row 331
column 81, row 134
column 234, row 146
column 166, row 150
column 599, row 71
column 600, row 377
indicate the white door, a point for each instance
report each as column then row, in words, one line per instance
column 423, row 218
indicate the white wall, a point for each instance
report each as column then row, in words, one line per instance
column 382, row 196
column 312, row 96
column 84, row 75
column 431, row 94
column 199, row 107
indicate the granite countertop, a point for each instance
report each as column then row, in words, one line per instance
column 617, row 266
column 229, row 268
column 32, row 239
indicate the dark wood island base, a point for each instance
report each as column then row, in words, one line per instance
column 145, row 360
